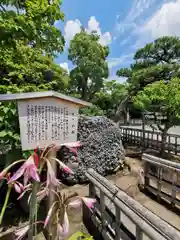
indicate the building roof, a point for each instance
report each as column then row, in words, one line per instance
column 32, row 95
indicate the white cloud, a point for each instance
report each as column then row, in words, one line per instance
column 139, row 8
column 127, row 28
column 118, row 79
column 105, row 39
column 93, row 25
column 165, row 22
column 114, row 62
column 65, row 66
column 125, row 59
column 73, row 27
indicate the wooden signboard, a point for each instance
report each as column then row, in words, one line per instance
column 46, row 118
column 46, row 121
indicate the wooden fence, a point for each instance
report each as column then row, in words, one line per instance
column 136, row 122
column 162, row 178
column 117, row 216
column 151, row 139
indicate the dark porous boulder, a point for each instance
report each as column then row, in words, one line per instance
column 101, row 148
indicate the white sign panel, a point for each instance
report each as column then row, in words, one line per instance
column 46, row 121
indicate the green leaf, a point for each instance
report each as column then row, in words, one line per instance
column 5, row 110
column 13, row 111
column 10, row 133
column 16, row 137
column 3, row 134
column 1, row 118
column 26, row 154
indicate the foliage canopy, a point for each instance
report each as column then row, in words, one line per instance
column 89, row 58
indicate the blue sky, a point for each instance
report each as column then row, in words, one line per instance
column 123, row 25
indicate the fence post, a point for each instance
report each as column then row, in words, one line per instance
column 102, row 210
column 146, row 172
column 143, row 129
column 92, row 192
column 147, row 223
column 174, row 183
column 118, row 223
column 159, row 178
column 139, row 234
column 175, row 145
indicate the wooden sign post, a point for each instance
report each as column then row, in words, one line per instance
column 46, row 118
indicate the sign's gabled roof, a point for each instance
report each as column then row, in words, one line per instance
column 33, row 95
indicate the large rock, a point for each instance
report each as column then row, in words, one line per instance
column 101, row 148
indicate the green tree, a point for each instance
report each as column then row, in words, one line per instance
column 31, row 22
column 110, row 96
column 94, row 110
column 156, row 61
column 89, row 58
column 162, row 98
column 28, row 43
column 26, row 65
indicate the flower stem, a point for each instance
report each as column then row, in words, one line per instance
column 33, row 211
column 5, row 203
column 10, row 166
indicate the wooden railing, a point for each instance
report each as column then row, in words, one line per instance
column 131, row 122
column 162, row 178
column 117, row 216
column 151, row 139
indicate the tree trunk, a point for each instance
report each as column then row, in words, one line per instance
column 126, row 116
column 84, row 93
column 121, row 108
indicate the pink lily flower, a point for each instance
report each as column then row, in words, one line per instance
column 25, row 190
column 49, row 215
column 5, row 171
column 74, row 150
column 51, row 181
column 63, row 230
column 72, row 144
column 19, row 188
column 51, row 177
column 28, row 169
column 73, row 147
column 17, row 185
column 20, row 233
column 42, row 194
column 64, row 167
column 88, row 201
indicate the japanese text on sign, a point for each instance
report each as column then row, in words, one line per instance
column 46, row 121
